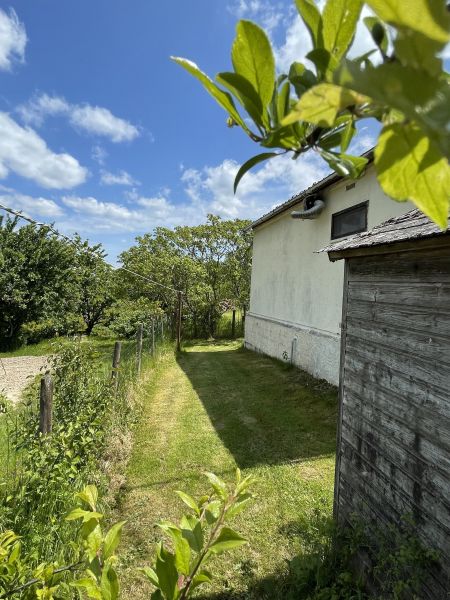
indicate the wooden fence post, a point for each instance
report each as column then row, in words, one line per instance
column 233, row 324
column 162, row 329
column 46, row 404
column 115, row 365
column 139, row 335
column 180, row 300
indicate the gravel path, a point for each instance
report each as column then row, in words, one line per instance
column 17, row 372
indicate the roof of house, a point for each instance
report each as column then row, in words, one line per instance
column 410, row 226
column 312, row 189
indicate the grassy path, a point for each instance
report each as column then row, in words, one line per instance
column 214, row 408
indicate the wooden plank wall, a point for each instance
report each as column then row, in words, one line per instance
column 394, row 446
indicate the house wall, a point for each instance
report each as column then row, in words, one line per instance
column 296, row 295
column 393, row 454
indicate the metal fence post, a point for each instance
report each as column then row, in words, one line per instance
column 46, row 404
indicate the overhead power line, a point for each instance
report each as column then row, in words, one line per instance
column 83, row 247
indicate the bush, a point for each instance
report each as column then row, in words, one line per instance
column 36, row 331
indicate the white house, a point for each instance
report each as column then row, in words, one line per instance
column 296, row 294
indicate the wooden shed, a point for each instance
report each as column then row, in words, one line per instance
column 393, row 455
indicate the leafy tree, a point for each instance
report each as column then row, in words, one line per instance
column 95, row 282
column 37, row 278
column 208, row 263
column 125, row 315
column 401, row 83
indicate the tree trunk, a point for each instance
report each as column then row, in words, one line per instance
column 233, row 324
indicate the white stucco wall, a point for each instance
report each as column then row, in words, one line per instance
column 296, row 293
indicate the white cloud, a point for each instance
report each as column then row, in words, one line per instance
column 95, row 120
column 99, row 154
column 23, row 151
column 13, row 39
column 31, row 206
column 121, row 178
column 208, row 190
column 268, row 14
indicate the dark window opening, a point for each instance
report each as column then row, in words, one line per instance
column 348, row 221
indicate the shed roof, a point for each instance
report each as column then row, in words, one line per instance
column 312, row 189
column 413, row 225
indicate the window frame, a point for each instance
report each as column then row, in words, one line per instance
column 364, row 205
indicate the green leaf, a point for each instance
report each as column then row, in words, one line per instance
column 89, row 495
column 112, row 539
column 239, row 506
column 221, row 97
column 345, row 164
column 323, row 60
column 378, row 33
column 410, row 167
column 247, row 96
column 89, row 586
column 402, row 87
column 347, row 135
column 339, row 19
column 252, row 58
column 86, row 515
column 283, row 101
column 166, row 572
column 301, row 78
column 151, row 575
column 240, row 174
column 418, row 51
column 191, row 529
column 109, row 583
column 312, row 18
column 189, row 501
column 180, row 546
column 227, row 540
column 200, row 578
column 429, row 17
column 321, row 104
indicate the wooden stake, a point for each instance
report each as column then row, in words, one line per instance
column 115, row 366
column 162, row 328
column 233, row 324
column 139, row 335
column 46, row 404
column 179, row 308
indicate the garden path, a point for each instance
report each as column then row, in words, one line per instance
column 17, row 372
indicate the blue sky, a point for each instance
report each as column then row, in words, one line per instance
column 102, row 134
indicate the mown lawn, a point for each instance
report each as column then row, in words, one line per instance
column 216, row 407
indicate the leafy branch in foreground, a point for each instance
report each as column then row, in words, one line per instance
column 92, row 568
column 201, row 535
column 401, row 83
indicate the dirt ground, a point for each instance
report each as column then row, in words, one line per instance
column 17, row 372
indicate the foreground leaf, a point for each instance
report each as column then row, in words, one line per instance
column 339, row 23
column 227, row 540
column 426, row 16
column 410, row 167
column 320, row 104
column 312, row 18
column 248, row 165
column 252, row 58
column 112, row 539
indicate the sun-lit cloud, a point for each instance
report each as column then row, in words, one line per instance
column 120, row 178
column 94, row 120
column 30, row 205
column 266, row 13
column 25, row 153
column 13, row 39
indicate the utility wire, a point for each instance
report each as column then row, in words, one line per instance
column 83, row 247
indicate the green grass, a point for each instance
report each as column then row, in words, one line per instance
column 216, row 407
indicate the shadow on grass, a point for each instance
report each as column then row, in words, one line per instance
column 264, row 412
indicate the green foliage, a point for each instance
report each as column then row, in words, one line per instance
column 408, row 93
column 125, row 315
column 92, row 567
column 201, row 534
column 209, row 263
column 34, row 332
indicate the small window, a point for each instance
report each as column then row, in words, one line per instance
column 348, row 221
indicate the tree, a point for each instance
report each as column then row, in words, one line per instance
column 400, row 83
column 94, row 278
column 209, row 263
column 37, row 278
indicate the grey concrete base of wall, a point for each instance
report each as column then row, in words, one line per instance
column 311, row 349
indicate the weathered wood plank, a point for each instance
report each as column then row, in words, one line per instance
column 426, row 267
column 406, row 293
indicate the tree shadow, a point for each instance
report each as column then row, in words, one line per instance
column 264, row 412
